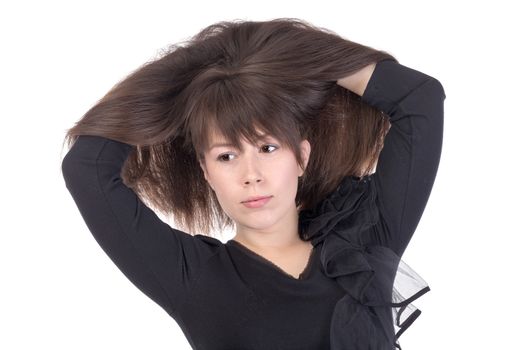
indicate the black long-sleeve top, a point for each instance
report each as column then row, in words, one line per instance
column 225, row 296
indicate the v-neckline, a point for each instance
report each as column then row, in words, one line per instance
column 252, row 254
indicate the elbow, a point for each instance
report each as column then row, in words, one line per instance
column 434, row 97
column 438, row 88
column 71, row 168
column 68, row 170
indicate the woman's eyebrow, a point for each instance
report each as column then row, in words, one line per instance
column 265, row 137
column 220, row 145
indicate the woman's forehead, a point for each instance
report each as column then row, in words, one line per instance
column 215, row 135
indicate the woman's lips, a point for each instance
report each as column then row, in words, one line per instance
column 257, row 203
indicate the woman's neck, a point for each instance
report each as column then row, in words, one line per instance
column 282, row 236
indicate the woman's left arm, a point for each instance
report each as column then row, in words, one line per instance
column 358, row 81
column 408, row 163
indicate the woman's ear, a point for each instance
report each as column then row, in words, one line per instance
column 204, row 170
column 202, row 164
column 305, row 154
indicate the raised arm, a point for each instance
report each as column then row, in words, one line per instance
column 158, row 259
column 408, row 163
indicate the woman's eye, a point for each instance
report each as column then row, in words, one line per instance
column 270, row 146
column 224, row 157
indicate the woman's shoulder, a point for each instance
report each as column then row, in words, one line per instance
column 214, row 242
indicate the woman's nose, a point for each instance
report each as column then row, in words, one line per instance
column 251, row 170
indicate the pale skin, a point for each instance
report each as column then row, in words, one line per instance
column 358, row 81
column 272, row 230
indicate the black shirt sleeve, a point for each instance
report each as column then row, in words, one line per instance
column 408, row 162
column 158, row 259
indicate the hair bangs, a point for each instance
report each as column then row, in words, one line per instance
column 232, row 111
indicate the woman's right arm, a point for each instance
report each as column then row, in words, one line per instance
column 409, row 161
column 158, row 259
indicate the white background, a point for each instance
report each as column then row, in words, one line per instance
column 60, row 291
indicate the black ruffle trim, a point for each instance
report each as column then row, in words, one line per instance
column 380, row 287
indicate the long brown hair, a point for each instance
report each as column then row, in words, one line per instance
column 234, row 77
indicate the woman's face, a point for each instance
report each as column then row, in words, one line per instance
column 265, row 169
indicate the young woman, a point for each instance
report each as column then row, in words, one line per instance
column 273, row 129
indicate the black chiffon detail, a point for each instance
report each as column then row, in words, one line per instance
column 380, row 287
